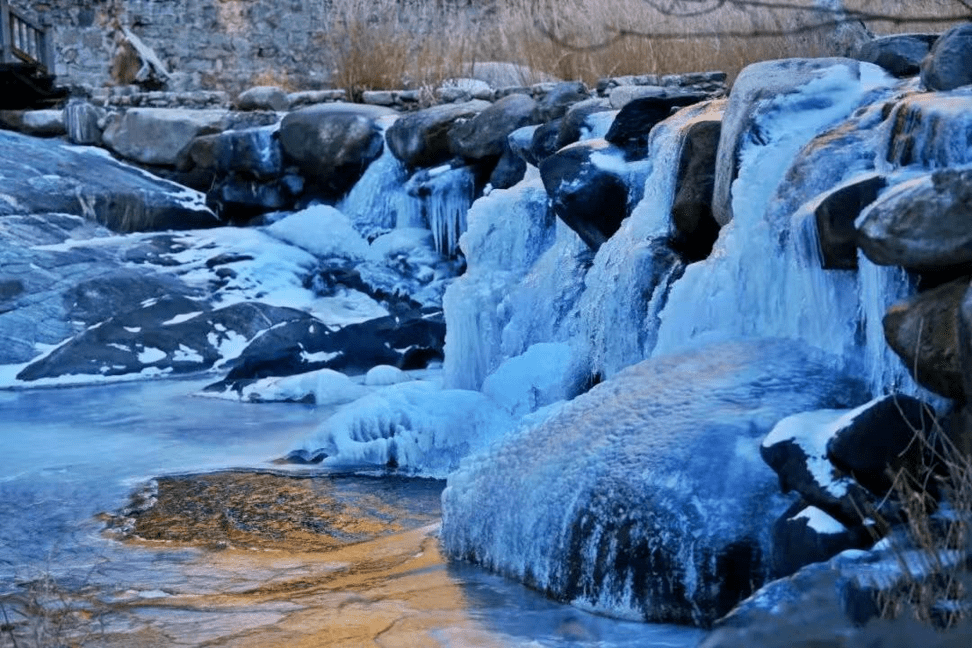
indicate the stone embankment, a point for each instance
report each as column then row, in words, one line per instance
column 196, row 303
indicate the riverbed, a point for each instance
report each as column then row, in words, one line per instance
column 140, row 514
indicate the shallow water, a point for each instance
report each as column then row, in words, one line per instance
column 297, row 559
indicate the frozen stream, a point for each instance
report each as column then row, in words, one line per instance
column 70, row 454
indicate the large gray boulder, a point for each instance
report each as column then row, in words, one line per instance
column 921, row 224
column 646, row 496
column 421, row 139
column 46, row 176
column 484, row 135
column 947, row 66
column 754, row 92
column 160, row 136
column 924, row 331
column 333, row 144
column 899, row 54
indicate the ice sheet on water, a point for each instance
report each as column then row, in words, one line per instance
column 415, row 426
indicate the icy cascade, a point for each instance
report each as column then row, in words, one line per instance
column 508, row 231
column 645, row 497
column 445, row 195
column 763, row 278
column 632, row 272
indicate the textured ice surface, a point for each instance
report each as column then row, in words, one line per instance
column 638, row 497
column 415, row 426
column 323, row 231
column 538, row 377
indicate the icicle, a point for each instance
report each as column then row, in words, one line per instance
column 446, row 194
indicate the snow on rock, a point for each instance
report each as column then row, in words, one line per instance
column 645, row 497
column 538, row 377
column 321, row 387
column 383, row 375
column 323, row 231
column 413, row 426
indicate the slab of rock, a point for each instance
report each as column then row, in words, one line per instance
column 947, row 65
column 334, row 143
column 835, row 215
column 695, row 229
column 253, row 153
column 805, row 535
column 921, row 224
column 485, row 135
column 263, row 98
column 899, row 54
column 160, row 136
column 588, row 189
column 923, row 330
column 421, row 139
column 45, row 176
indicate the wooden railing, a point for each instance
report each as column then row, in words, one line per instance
column 24, row 41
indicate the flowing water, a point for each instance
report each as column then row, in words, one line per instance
column 255, row 556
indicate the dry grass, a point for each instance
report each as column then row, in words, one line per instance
column 385, row 44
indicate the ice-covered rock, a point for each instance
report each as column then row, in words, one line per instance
column 414, row 427
column 538, row 377
column 805, row 534
column 323, row 231
column 384, row 375
column 645, row 497
column 931, row 130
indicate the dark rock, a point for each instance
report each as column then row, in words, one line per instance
column 899, row 54
column 590, row 199
column 171, row 335
column 922, row 224
column 545, row 142
column 560, row 98
column 333, row 144
column 835, row 216
column 485, row 135
column 519, row 142
column 253, row 153
column 695, row 228
column 876, row 440
column 574, row 122
column 923, row 330
column 421, row 139
column 947, row 65
column 752, row 96
column 508, row 171
column 407, row 341
column 45, row 176
column 635, row 120
column 805, row 535
column 240, row 199
column 304, row 457
column 681, row 538
column 796, row 450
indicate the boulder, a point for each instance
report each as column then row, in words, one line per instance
column 878, row 439
column 560, row 98
column 575, row 122
column 42, row 123
column 644, row 497
column 947, row 65
column 796, row 449
column 520, row 142
column 263, row 98
column 463, row 90
column 923, row 330
column 406, row 340
column 695, row 229
column 485, row 135
column 805, row 535
column 44, row 176
column 921, row 224
column 508, row 170
column 253, row 153
column 160, row 136
column 899, row 54
column 588, row 189
column 421, row 139
column 169, row 335
column 835, row 215
column 758, row 89
column 82, row 121
column 333, row 143
column 635, row 120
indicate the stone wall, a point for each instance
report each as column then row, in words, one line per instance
column 208, row 44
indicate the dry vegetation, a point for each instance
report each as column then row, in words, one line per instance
column 388, row 43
